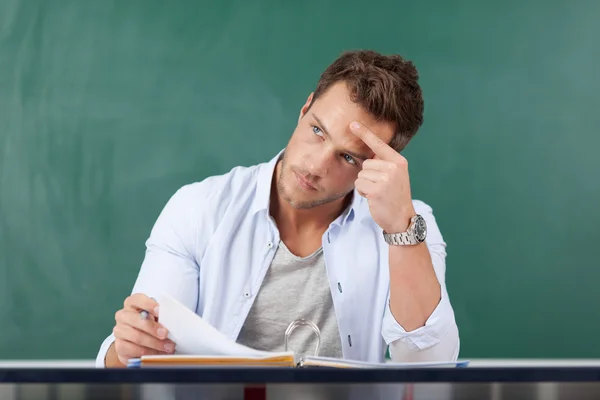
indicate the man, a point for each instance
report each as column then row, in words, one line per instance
column 326, row 231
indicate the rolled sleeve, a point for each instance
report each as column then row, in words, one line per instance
column 446, row 349
column 436, row 328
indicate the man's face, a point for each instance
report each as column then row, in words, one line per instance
column 323, row 157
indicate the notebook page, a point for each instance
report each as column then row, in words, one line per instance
column 194, row 336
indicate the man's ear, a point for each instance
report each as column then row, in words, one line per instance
column 306, row 106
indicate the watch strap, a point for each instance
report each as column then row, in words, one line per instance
column 399, row 239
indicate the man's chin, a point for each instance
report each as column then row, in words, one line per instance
column 296, row 202
column 300, row 199
column 303, row 203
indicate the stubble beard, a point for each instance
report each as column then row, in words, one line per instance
column 301, row 205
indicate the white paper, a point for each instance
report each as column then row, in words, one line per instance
column 194, row 336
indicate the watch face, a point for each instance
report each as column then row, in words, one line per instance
column 420, row 229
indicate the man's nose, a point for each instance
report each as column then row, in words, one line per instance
column 318, row 163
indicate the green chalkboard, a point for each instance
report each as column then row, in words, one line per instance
column 107, row 108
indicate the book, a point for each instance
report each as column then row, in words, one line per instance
column 199, row 344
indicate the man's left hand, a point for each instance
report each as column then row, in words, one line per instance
column 385, row 183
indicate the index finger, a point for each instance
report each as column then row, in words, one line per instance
column 141, row 302
column 379, row 147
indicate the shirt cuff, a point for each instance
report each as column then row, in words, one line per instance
column 100, row 358
column 436, row 327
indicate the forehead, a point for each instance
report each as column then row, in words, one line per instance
column 336, row 111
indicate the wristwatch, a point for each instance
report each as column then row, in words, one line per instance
column 415, row 234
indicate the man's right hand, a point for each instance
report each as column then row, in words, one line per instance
column 136, row 336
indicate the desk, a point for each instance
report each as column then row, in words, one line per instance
column 483, row 380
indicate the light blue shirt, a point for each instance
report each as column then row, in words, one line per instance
column 214, row 241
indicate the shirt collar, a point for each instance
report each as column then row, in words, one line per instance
column 263, row 192
column 265, row 173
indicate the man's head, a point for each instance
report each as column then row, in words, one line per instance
column 323, row 157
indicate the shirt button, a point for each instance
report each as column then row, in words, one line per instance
column 246, row 294
column 270, row 244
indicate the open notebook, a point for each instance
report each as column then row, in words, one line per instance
column 200, row 344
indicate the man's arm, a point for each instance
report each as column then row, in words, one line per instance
column 419, row 311
column 169, row 264
column 419, row 322
column 414, row 289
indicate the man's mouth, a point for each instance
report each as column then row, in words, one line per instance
column 303, row 182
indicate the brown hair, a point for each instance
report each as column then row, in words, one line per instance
column 385, row 86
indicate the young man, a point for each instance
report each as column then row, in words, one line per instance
column 326, row 231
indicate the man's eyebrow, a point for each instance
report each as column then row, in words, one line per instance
column 322, row 126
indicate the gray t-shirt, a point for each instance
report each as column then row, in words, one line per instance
column 293, row 288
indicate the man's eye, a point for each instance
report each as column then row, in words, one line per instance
column 317, row 131
column 349, row 159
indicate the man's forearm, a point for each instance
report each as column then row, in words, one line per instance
column 414, row 288
column 112, row 360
